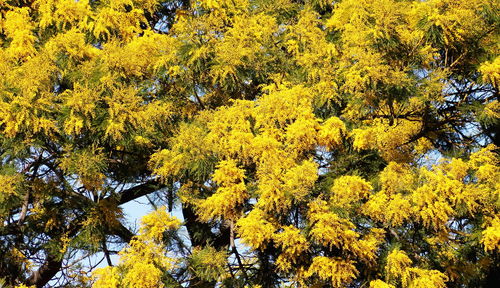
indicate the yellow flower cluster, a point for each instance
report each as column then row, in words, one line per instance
column 340, row 272
column 144, row 261
column 255, row 230
column 231, row 193
column 491, row 236
column 154, row 224
column 490, row 72
column 349, row 189
column 330, row 230
column 9, row 185
column 293, row 244
column 18, row 26
column 398, row 269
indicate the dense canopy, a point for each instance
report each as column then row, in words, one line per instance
column 310, row 143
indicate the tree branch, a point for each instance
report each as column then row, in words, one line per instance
column 139, row 191
column 48, row 270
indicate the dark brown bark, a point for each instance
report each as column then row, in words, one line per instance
column 47, row 271
column 139, row 191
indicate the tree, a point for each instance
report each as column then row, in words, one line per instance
column 307, row 143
